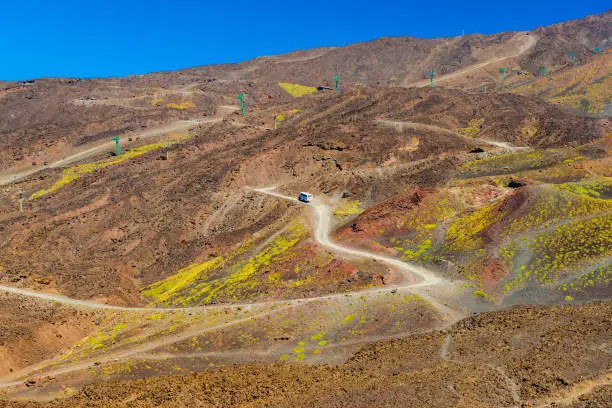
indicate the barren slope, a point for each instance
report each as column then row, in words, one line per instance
column 189, row 251
column 539, row 357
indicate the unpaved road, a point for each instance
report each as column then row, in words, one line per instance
column 178, row 126
column 408, row 271
column 95, row 150
column 12, row 380
column 87, row 304
column 321, row 227
column 511, row 384
column 573, row 393
column 528, row 43
column 401, row 125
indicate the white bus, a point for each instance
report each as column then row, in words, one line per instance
column 305, row 197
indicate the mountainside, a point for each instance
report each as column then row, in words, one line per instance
column 178, row 205
column 558, row 40
column 442, row 215
column 39, row 117
column 582, row 88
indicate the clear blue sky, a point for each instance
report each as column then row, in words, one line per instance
column 92, row 38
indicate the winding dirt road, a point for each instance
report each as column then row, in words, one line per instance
column 401, row 125
column 322, row 228
column 321, row 231
column 407, row 270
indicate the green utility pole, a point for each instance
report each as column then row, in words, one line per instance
column 484, row 88
column 572, row 56
column 431, row 81
column 241, row 98
column 116, row 139
column 21, row 201
column 542, row 71
column 503, row 72
column 336, row 79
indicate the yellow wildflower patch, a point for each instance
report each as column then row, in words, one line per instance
column 72, row 173
column 349, row 208
column 283, row 115
column 297, row 90
column 472, row 129
column 181, row 106
column 163, row 290
column 463, row 232
column 348, row 318
column 318, row 336
column 556, row 251
column 96, row 340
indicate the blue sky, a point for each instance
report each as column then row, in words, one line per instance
column 93, row 38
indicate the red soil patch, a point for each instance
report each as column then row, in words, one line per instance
column 494, row 271
column 343, row 269
column 483, row 194
column 384, row 216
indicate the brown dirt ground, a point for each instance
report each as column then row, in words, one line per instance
column 506, row 358
column 31, row 331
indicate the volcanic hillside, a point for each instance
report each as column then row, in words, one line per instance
column 42, row 118
column 186, row 249
column 112, row 229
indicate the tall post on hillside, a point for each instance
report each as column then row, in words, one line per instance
column 116, row 139
column 542, row 71
column 484, row 88
column 431, row 81
column 336, row 80
column 503, row 72
column 20, row 201
column 241, row 99
column 572, row 56
column 275, row 116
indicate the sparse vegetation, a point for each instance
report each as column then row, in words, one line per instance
column 600, row 276
column 203, row 272
column 462, row 233
column 73, row 173
column 283, row 115
column 347, row 209
column 181, row 106
column 472, row 129
column 556, row 204
column 568, row 245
